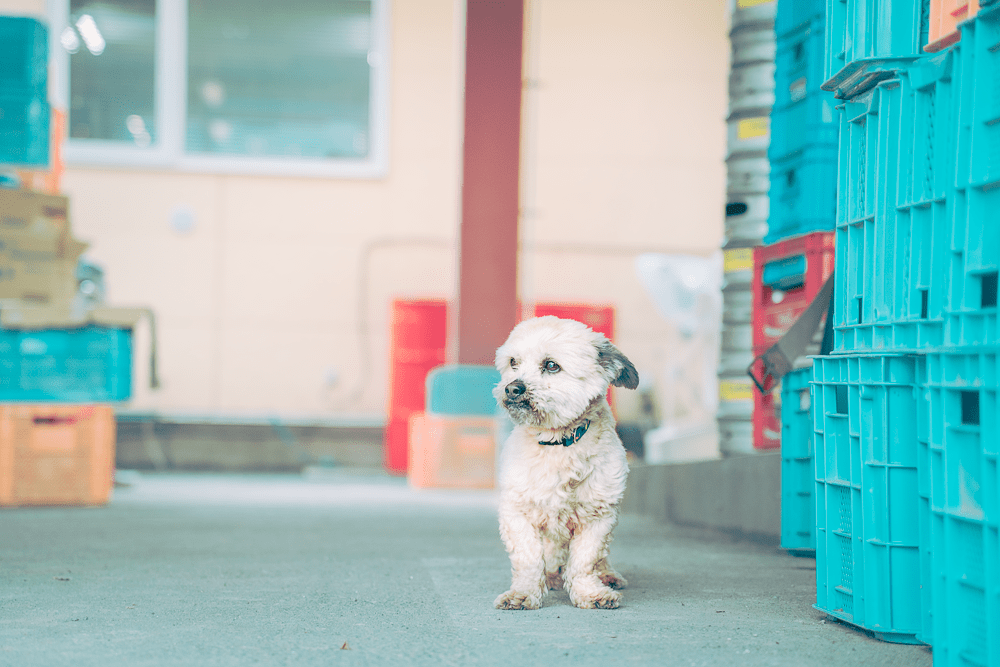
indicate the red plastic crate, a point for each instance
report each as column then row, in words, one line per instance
column 419, row 336
column 795, row 270
column 599, row 318
column 945, row 15
column 777, row 305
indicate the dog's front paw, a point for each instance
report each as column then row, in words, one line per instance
column 515, row 600
column 605, row 598
column 613, row 580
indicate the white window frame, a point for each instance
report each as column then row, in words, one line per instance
column 168, row 150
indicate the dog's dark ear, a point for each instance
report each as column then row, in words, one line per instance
column 617, row 365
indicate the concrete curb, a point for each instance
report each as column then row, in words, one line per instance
column 740, row 495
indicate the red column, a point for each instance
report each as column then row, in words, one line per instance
column 487, row 295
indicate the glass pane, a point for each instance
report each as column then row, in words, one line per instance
column 279, row 79
column 112, row 45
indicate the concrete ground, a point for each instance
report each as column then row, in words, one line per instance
column 340, row 569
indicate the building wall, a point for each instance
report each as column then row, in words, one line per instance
column 624, row 154
column 276, row 301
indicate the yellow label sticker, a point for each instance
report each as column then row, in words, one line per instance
column 744, row 4
column 751, row 128
column 735, row 390
column 737, row 259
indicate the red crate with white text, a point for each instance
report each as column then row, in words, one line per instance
column 787, row 277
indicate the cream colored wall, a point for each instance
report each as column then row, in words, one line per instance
column 623, row 154
column 23, row 7
column 277, row 301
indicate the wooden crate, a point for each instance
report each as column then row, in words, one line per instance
column 56, row 454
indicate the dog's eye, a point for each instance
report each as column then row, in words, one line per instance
column 551, row 366
column 513, row 362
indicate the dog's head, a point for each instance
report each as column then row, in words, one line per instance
column 552, row 369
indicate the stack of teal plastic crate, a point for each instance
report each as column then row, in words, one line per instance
column 66, row 355
column 803, row 190
column 905, row 419
column 803, row 148
column 798, row 479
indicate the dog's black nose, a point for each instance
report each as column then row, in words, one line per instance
column 515, row 390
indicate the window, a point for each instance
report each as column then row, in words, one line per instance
column 244, row 86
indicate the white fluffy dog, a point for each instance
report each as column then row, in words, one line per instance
column 563, row 469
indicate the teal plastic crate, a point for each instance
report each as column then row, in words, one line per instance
column 803, row 192
column 811, row 121
column 867, row 534
column 791, row 15
column 971, row 308
column 974, row 242
column 964, row 447
column 871, row 34
column 893, row 216
column 24, row 52
column 798, row 63
column 798, row 505
column 86, row 365
column 24, row 130
column 979, row 67
column 463, row 389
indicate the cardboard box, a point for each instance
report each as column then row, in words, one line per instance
column 21, row 315
column 38, row 254
column 34, row 212
column 56, row 454
column 40, row 283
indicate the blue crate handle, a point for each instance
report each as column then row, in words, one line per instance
column 786, row 273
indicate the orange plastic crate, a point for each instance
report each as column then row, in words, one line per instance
column 56, row 454
column 945, row 15
column 452, row 452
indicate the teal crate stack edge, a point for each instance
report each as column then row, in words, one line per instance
column 865, row 457
column 963, row 438
column 803, row 146
column 974, row 259
column 918, row 253
column 798, row 505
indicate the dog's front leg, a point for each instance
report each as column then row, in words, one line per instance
column 554, row 547
column 588, row 552
column 527, row 562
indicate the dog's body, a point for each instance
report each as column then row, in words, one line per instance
column 559, row 502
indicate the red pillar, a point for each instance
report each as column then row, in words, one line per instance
column 487, row 295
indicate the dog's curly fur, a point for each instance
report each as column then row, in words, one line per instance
column 559, row 504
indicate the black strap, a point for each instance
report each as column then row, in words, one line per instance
column 571, row 439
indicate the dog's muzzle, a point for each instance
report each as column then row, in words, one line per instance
column 516, row 391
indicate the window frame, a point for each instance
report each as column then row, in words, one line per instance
column 170, row 90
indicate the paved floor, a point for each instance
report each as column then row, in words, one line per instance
column 342, row 570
